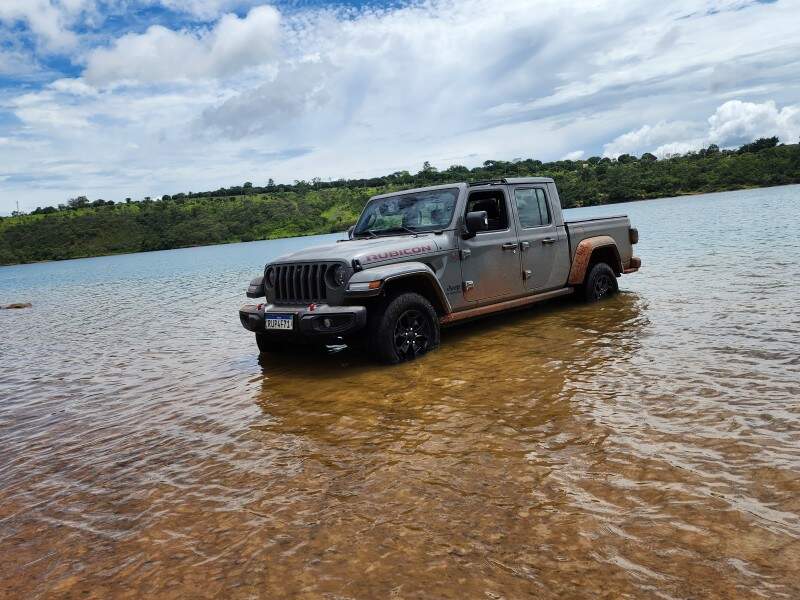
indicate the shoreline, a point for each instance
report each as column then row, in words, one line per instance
column 647, row 199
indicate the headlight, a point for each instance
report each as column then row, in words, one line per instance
column 271, row 277
column 338, row 276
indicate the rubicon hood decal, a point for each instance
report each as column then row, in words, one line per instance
column 368, row 251
column 398, row 252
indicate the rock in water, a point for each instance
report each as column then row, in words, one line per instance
column 17, row 305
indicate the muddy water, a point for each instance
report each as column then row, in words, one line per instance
column 645, row 447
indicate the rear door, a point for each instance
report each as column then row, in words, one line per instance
column 490, row 259
column 544, row 248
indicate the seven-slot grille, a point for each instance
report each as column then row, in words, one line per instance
column 301, row 283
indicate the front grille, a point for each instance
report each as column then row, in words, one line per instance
column 301, row 283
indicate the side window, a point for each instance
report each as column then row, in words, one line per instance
column 494, row 203
column 532, row 207
column 544, row 207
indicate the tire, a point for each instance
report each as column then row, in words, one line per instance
column 601, row 282
column 402, row 329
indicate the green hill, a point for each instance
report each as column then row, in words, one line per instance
column 243, row 213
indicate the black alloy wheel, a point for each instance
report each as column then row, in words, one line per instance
column 412, row 335
column 601, row 282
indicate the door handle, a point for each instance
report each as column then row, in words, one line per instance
column 548, row 241
column 509, row 246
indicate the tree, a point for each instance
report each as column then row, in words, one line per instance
column 759, row 145
column 222, row 215
column 79, row 202
column 647, row 157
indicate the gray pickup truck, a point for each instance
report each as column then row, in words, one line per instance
column 420, row 259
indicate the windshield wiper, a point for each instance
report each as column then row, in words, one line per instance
column 399, row 228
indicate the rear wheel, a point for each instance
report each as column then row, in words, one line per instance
column 403, row 329
column 601, row 282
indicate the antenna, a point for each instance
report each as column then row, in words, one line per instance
column 18, row 206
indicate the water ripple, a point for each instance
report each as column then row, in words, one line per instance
column 645, row 447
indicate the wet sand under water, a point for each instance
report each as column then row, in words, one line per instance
column 643, row 447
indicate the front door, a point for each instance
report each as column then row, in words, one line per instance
column 490, row 260
column 543, row 245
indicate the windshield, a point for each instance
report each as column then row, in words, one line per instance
column 409, row 213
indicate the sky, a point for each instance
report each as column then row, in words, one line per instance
column 124, row 98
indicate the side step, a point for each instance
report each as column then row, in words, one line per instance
column 480, row 311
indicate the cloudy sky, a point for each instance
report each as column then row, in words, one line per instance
column 116, row 98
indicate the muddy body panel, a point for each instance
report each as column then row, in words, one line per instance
column 617, row 228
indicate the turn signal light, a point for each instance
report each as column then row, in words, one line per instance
column 365, row 286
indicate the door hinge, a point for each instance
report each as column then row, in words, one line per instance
column 524, row 245
column 465, row 254
column 469, row 285
column 527, row 274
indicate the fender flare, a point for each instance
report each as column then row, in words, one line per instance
column 583, row 255
column 394, row 272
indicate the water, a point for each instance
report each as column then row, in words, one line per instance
column 647, row 446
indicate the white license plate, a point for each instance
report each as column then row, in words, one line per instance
column 272, row 321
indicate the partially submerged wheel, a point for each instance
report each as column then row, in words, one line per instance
column 405, row 328
column 601, row 282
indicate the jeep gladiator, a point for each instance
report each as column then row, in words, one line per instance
column 420, row 259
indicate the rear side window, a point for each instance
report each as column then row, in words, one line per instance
column 532, row 207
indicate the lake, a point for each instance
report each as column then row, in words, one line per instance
column 647, row 446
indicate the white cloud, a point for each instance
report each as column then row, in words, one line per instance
column 662, row 136
column 206, row 9
column 294, row 92
column 574, row 155
column 737, row 122
column 16, row 63
column 161, row 54
column 335, row 93
column 733, row 123
column 49, row 20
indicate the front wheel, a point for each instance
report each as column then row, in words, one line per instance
column 405, row 328
column 601, row 282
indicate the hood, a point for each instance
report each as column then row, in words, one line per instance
column 370, row 250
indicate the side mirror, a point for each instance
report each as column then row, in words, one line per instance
column 476, row 221
column 350, row 231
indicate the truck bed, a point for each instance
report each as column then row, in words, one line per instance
column 617, row 227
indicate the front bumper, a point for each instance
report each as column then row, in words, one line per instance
column 321, row 322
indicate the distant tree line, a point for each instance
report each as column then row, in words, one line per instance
column 81, row 227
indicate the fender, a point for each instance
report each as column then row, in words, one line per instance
column 357, row 287
column 583, row 254
column 256, row 288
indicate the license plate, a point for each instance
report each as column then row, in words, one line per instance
column 273, row 321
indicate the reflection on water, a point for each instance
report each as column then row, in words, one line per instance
column 646, row 447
